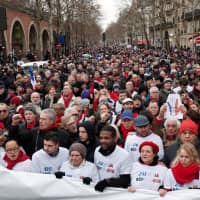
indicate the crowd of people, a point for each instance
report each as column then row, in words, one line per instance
column 105, row 119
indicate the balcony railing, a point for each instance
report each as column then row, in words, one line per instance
column 189, row 16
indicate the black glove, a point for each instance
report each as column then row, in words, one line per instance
column 59, row 175
column 87, row 180
column 101, row 185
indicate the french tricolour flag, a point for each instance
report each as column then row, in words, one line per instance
column 33, row 81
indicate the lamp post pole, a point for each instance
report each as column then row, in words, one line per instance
column 104, row 43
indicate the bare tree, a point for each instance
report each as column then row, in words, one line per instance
column 50, row 12
column 38, row 17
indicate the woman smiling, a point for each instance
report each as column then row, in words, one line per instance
column 184, row 171
column 147, row 173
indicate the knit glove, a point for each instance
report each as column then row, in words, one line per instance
column 59, row 174
column 87, row 180
column 101, row 185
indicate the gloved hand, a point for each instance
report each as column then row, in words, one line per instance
column 87, row 180
column 101, row 185
column 59, row 174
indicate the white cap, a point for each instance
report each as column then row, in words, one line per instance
column 127, row 100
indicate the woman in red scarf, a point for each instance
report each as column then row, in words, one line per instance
column 14, row 158
column 184, row 171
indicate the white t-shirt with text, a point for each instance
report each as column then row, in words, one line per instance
column 46, row 164
column 113, row 165
column 133, row 142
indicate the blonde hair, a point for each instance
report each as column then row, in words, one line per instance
column 190, row 150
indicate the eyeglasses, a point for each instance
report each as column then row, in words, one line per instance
column 15, row 150
column 3, row 111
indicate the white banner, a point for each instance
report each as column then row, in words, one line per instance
column 29, row 186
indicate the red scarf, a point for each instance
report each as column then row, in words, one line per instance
column 67, row 100
column 58, row 118
column 11, row 163
column 125, row 131
column 32, row 125
column 86, row 113
column 185, row 174
column 135, row 114
column 91, row 89
column 125, row 75
column 95, row 104
column 153, row 98
column 52, row 126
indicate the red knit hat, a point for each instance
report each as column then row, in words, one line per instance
column 154, row 146
column 15, row 100
column 189, row 125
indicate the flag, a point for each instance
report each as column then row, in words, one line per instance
column 33, row 81
column 97, row 58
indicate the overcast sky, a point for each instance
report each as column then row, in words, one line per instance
column 110, row 10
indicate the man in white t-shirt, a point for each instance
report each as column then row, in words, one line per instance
column 113, row 163
column 49, row 159
column 143, row 133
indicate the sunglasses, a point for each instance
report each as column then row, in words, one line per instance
column 3, row 111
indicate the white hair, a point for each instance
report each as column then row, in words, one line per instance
column 153, row 88
column 174, row 119
column 50, row 112
column 69, row 111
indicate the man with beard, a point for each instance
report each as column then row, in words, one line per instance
column 113, row 163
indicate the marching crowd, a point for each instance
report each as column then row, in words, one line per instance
column 106, row 119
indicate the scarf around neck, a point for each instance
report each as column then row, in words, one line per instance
column 31, row 125
column 11, row 163
column 67, row 100
column 125, row 131
column 52, row 126
column 185, row 174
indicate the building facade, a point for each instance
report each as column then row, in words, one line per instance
column 181, row 24
column 166, row 23
column 22, row 33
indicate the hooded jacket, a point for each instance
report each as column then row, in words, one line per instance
column 91, row 143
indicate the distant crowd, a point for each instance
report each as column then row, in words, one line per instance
column 117, row 117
